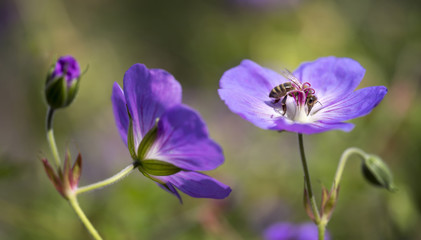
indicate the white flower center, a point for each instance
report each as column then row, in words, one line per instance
column 296, row 108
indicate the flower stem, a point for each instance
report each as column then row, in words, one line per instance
column 123, row 173
column 50, row 137
column 75, row 204
column 342, row 162
column 307, row 181
column 321, row 227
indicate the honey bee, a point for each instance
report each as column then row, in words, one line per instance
column 311, row 100
column 290, row 89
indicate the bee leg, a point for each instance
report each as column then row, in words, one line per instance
column 284, row 105
column 276, row 100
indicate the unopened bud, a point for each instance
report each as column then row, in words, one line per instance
column 377, row 172
column 62, row 82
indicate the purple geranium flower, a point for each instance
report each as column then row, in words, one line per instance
column 68, row 67
column 172, row 150
column 288, row 231
column 320, row 95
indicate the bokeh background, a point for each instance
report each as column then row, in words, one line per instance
column 197, row 40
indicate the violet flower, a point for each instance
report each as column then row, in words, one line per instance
column 288, row 231
column 330, row 80
column 174, row 148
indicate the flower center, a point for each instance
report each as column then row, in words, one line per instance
column 297, row 104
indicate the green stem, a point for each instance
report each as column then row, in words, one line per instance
column 342, row 162
column 50, row 137
column 307, row 181
column 75, row 204
column 321, row 228
column 126, row 171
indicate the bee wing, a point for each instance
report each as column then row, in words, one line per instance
column 287, row 74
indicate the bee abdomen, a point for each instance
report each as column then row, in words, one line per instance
column 278, row 91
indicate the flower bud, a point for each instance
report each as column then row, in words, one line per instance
column 62, row 82
column 377, row 172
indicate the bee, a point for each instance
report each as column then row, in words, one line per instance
column 311, row 100
column 281, row 91
column 290, row 89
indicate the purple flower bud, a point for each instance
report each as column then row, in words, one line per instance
column 66, row 67
column 62, row 82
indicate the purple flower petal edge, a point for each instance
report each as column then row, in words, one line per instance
column 120, row 111
column 197, row 185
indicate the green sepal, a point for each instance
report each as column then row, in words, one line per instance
column 142, row 170
column 147, row 142
column 49, row 74
column 52, row 175
column 329, row 200
column 56, row 93
column 377, row 172
column 76, row 170
column 130, row 138
column 72, row 91
column 159, row 168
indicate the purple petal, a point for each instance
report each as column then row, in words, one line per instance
column 120, row 111
column 148, row 94
column 280, row 231
column 183, row 140
column 67, row 65
column 357, row 104
column 252, row 79
column 312, row 128
column 249, row 107
column 331, row 77
column 197, row 185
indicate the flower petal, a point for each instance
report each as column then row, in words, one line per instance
column 331, row 77
column 252, row 79
column 312, row 128
column 357, row 104
column 120, row 111
column 183, row 141
column 197, row 185
column 148, row 94
column 249, row 107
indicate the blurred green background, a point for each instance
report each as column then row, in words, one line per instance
column 197, row 40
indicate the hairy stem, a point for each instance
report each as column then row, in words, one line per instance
column 91, row 229
column 123, row 173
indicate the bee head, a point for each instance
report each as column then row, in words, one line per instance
column 310, row 101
